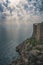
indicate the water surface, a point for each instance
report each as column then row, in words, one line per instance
column 10, row 36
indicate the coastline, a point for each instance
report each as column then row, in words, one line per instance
column 29, row 54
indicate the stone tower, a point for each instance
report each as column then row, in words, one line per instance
column 38, row 32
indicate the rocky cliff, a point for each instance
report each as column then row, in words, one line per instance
column 30, row 53
column 31, row 50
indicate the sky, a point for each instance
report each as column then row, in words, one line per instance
column 21, row 10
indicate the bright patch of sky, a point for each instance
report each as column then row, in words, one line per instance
column 14, row 2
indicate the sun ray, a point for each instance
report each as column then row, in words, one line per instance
column 14, row 1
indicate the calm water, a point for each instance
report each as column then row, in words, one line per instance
column 10, row 36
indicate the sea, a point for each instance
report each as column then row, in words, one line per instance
column 11, row 35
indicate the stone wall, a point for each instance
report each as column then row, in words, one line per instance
column 38, row 32
column 41, row 32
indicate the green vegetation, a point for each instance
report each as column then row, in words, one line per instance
column 32, row 41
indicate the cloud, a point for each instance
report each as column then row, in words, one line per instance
column 1, row 8
column 21, row 10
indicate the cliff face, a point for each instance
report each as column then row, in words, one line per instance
column 30, row 51
column 38, row 32
column 29, row 54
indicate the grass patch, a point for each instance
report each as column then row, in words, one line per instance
column 32, row 41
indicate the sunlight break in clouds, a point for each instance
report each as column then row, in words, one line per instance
column 14, row 2
column 21, row 10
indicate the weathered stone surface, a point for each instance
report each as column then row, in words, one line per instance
column 38, row 32
column 33, row 56
column 23, row 46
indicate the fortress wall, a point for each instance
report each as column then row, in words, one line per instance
column 34, row 30
column 41, row 32
column 38, row 32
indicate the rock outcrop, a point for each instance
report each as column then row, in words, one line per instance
column 29, row 55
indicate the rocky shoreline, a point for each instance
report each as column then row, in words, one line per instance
column 29, row 54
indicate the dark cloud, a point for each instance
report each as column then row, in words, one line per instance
column 38, row 4
column 6, row 3
column 1, row 8
column 3, row 5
